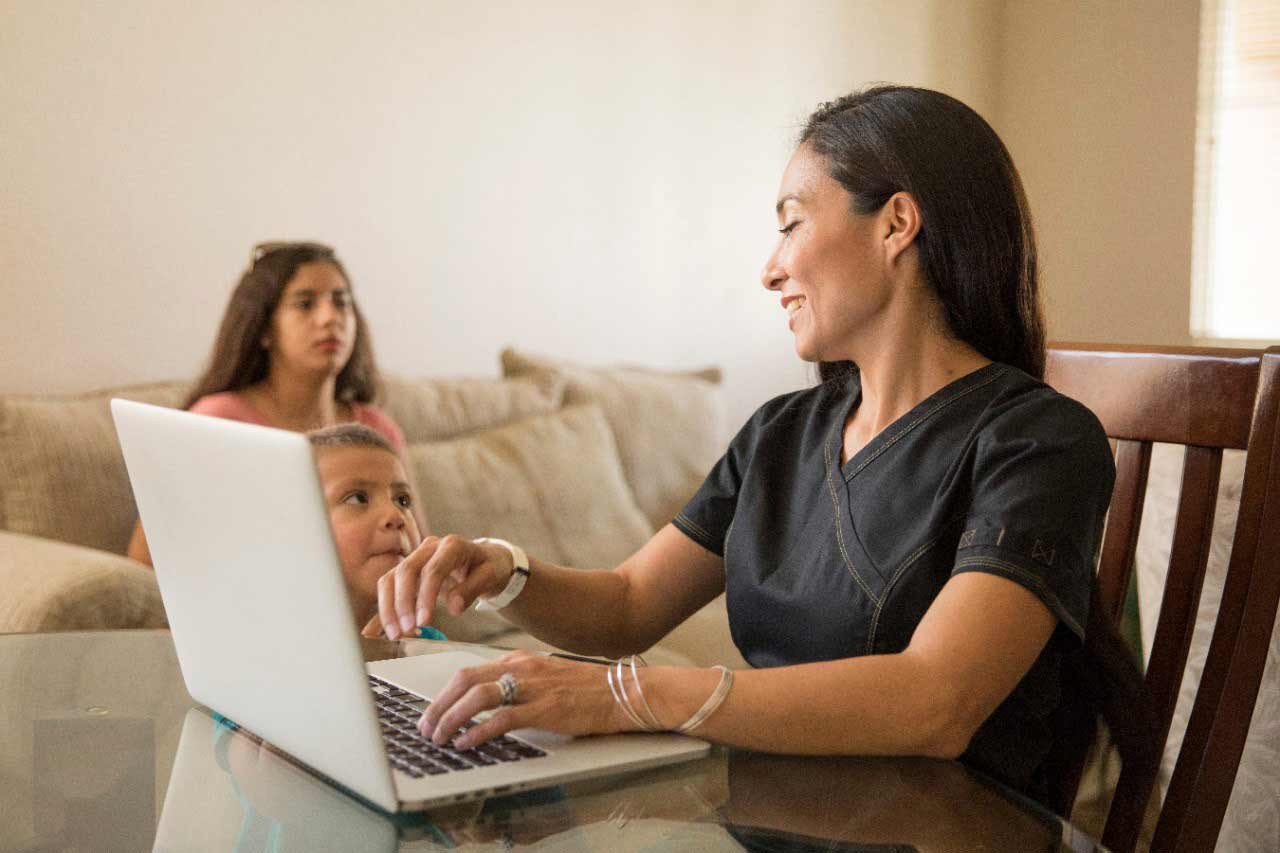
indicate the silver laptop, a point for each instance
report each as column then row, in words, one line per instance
column 239, row 534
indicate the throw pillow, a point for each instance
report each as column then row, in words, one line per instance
column 434, row 409
column 551, row 484
column 667, row 423
column 61, row 468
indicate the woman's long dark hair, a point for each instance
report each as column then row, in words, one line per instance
column 976, row 243
column 978, row 252
column 239, row 360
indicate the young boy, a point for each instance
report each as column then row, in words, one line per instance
column 370, row 510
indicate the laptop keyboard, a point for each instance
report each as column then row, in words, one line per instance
column 398, row 713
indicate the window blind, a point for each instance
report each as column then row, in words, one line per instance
column 1236, row 250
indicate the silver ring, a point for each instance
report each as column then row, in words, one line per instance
column 510, row 688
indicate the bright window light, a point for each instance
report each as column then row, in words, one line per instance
column 1236, row 267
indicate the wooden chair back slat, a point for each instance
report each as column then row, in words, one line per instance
column 1188, row 558
column 1219, row 725
column 1209, row 400
column 1120, row 542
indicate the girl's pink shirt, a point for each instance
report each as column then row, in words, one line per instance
column 234, row 407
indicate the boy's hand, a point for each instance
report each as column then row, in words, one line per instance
column 454, row 568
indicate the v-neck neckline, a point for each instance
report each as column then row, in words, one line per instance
column 902, row 425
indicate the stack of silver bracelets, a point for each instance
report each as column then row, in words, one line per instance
column 615, row 674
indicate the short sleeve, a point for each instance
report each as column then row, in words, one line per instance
column 1042, row 481
column 706, row 518
column 375, row 418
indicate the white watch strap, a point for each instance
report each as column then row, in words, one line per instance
column 515, row 584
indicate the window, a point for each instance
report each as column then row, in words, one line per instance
column 1236, row 266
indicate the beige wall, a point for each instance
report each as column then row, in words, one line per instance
column 589, row 180
column 1096, row 101
column 592, row 180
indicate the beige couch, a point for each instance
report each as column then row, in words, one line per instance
column 579, row 465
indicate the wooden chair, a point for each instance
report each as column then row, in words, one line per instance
column 1208, row 400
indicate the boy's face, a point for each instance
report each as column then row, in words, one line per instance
column 370, row 510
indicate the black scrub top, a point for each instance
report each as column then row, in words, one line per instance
column 996, row 472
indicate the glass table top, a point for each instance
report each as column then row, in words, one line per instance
column 101, row 748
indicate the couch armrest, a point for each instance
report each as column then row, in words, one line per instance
column 52, row 586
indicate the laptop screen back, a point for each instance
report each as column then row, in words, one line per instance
column 240, row 538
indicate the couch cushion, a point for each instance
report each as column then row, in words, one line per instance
column 552, row 484
column 51, row 586
column 433, row 409
column 61, row 472
column 667, row 423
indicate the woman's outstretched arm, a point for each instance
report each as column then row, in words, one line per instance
column 595, row 612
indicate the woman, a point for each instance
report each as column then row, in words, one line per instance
column 907, row 548
column 293, row 352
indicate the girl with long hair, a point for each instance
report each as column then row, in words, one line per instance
column 293, row 351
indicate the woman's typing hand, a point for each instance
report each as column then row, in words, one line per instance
column 564, row 696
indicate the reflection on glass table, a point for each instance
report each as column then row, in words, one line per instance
column 229, row 791
column 101, row 749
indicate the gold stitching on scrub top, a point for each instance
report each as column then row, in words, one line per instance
column 1031, row 580
column 888, row 588
column 696, row 528
column 924, row 417
column 831, row 488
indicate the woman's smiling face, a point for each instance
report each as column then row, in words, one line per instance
column 829, row 263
